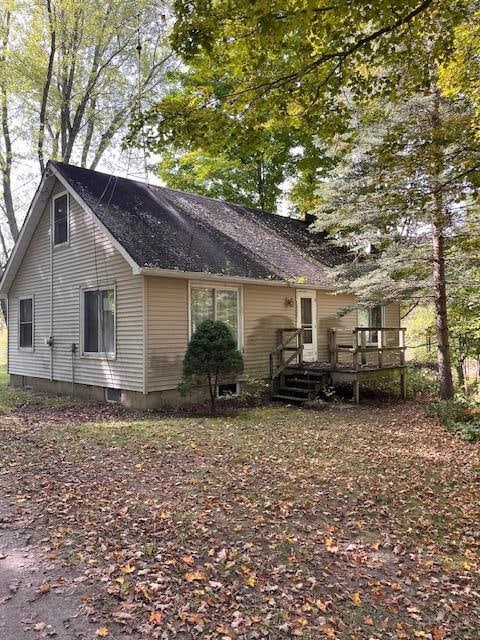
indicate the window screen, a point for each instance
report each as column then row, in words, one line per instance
column 60, row 219
column 306, row 319
column 26, row 323
column 211, row 303
column 99, row 321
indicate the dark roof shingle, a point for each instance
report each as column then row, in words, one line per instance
column 167, row 229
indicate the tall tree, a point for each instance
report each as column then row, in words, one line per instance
column 402, row 187
column 233, row 156
column 69, row 81
column 254, row 180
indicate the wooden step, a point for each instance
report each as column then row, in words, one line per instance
column 279, row 396
column 288, row 390
column 293, row 381
column 305, row 373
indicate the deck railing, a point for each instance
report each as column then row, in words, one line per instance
column 365, row 341
column 290, row 340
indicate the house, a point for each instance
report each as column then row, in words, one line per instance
column 110, row 276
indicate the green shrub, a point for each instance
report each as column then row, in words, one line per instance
column 211, row 355
column 461, row 416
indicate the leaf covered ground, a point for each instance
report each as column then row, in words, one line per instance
column 275, row 523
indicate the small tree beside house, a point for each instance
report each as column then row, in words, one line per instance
column 211, row 356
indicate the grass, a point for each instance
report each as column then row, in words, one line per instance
column 276, row 523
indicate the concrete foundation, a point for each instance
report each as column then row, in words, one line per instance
column 130, row 399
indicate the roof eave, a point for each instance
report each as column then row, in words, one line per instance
column 204, row 275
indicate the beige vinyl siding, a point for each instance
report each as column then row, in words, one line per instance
column 167, row 330
column 33, row 278
column 330, row 313
column 89, row 260
column 265, row 311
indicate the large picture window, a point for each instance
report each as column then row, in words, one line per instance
column 99, row 321
column 60, row 219
column 25, row 312
column 215, row 303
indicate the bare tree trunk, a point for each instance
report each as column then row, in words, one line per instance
column 212, row 390
column 46, row 88
column 438, row 253
column 6, row 160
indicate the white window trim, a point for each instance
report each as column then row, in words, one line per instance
column 32, row 348
column 234, row 395
column 52, row 223
column 98, row 355
column 192, row 284
column 308, row 293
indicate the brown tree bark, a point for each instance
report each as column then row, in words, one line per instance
column 6, row 158
column 446, row 389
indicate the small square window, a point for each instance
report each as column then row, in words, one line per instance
column 228, row 390
column 113, row 395
column 60, row 220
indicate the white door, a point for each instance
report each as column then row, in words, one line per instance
column 307, row 320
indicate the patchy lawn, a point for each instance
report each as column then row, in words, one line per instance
column 275, row 523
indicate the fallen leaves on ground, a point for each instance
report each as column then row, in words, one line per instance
column 276, row 523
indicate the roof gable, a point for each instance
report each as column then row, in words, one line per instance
column 159, row 228
column 171, row 230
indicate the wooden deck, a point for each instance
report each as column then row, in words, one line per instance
column 354, row 358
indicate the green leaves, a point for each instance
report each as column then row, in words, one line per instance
column 211, row 354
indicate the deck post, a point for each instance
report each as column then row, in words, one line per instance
column 401, row 336
column 363, row 344
column 355, row 348
column 380, row 345
column 332, row 346
column 356, row 391
column 403, row 385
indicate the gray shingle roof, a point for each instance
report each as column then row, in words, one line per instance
column 168, row 229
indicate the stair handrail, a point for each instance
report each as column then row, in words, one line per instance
column 295, row 334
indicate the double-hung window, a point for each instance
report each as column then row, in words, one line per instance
column 216, row 303
column 99, row 321
column 25, row 313
column 60, row 219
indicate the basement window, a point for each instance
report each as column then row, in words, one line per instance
column 227, row 390
column 113, row 395
column 60, row 219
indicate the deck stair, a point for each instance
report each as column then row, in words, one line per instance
column 295, row 381
column 299, row 385
column 290, row 380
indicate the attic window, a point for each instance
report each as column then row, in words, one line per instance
column 60, row 219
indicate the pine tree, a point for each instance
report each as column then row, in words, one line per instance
column 211, row 354
column 399, row 196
